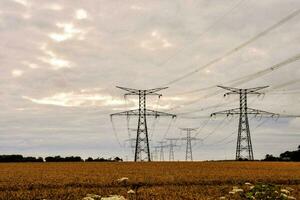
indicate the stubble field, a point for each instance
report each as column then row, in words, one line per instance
column 156, row 180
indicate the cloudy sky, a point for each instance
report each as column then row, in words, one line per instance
column 61, row 60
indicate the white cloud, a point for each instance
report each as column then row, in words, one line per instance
column 53, row 59
column 136, row 7
column 30, row 65
column 78, row 99
column 81, row 14
column 69, row 32
column 156, row 42
column 23, row 2
column 56, row 63
column 55, row 7
column 17, row 73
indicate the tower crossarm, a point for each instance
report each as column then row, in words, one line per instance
column 192, row 138
column 254, row 90
column 159, row 114
column 232, row 89
column 126, row 113
column 250, row 111
column 242, row 91
column 148, row 112
column 229, row 112
column 189, row 129
column 145, row 92
column 154, row 90
column 129, row 90
column 172, row 139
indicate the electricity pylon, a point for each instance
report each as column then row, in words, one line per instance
column 154, row 154
column 142, row 148
column 189, row 139
column 171, row 145
column 244, row 150
column 161, row 147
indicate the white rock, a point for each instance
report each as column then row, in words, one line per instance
column 130, row 192
column 94, row 196
column 122, row 180
column 248, row 184
column 113, row 197
column 289, row 189
column 88, row 198
column 257, row 193
column 237, row 190
column 291, row 198
column 285, row 191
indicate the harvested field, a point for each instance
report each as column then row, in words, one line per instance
column 156, row 180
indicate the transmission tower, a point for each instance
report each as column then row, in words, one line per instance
column 171, row 145
column 142, row 149
column 161, row 147
column 244, row 150
column 189, row 139
column 154, row 154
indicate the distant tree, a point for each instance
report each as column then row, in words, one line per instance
column 61, row 159
column 19, row 158
column 271, row 158
column 286, row 156
column 89, row 159
column 117, row 159
column 11, row 158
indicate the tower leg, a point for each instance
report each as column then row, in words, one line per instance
column 142, row 149
column 244, row 145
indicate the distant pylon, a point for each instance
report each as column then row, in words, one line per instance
column 142, row 147
column 171, row 145
column 244, row 148
column 154, row 155
column 161, row 147
column 189, row 139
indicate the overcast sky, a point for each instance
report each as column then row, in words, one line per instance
column 61, row 60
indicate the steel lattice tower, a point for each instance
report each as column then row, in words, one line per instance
column 142, row 149
column 244, row 150
column 189, row 139
column 162, row 153
column 154, row 155
column 171, row 146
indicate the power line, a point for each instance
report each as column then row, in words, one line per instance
column 237, row 48
column 245, row 79
column 252, row 76
column 221, row 18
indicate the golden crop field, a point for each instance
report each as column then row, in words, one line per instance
column 156, row 180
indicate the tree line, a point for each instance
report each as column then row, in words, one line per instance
column 20, row 158
column 286, row 156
